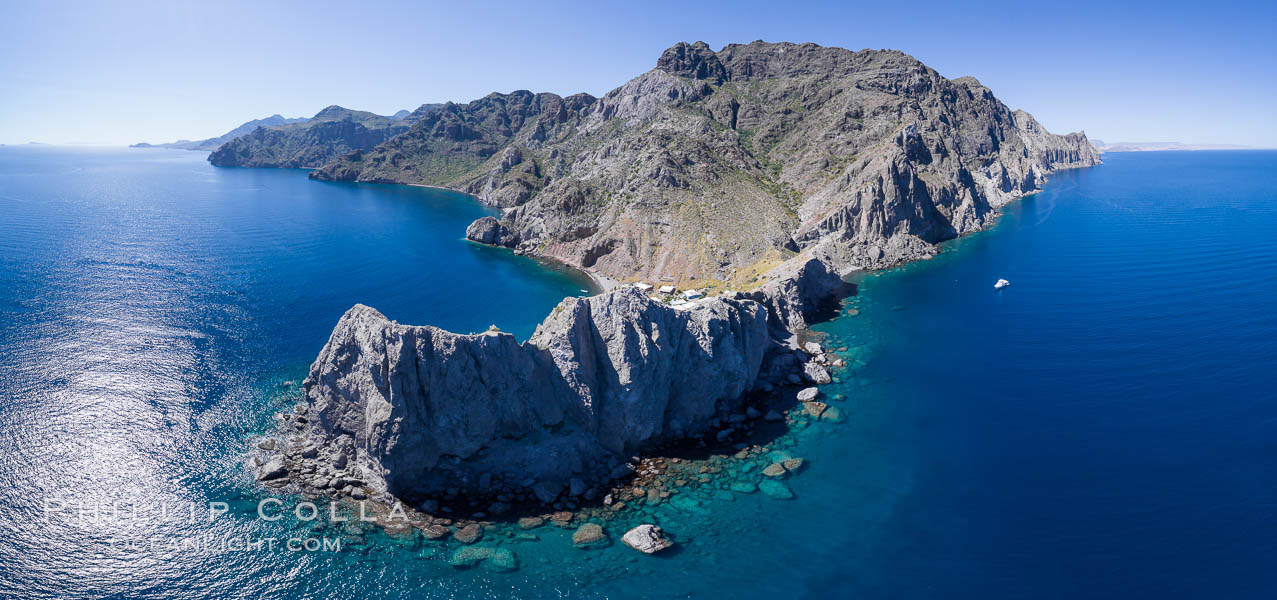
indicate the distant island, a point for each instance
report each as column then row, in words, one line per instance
column 212, row 143
column 1160, row 146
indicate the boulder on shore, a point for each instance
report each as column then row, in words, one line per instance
column 816, row 373
column 273, row 469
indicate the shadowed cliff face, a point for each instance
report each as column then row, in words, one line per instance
column 715, row 161
column 417, row 410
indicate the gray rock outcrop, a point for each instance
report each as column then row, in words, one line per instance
column 488, row 230
column 416, row 410
column 646, row 538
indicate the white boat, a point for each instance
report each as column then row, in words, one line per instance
column 1001, row 284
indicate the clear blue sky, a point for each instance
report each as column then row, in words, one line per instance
column 121, row 72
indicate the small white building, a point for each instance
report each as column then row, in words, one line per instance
column 643, row 287
column 693, row 294
column 666, row 289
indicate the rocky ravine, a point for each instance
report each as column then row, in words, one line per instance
column 404, row 411
column 715, row 166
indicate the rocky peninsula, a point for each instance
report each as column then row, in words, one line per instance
column 397, row 411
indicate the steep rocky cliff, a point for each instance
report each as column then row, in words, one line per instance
column 412, row 411
column 719, row 165
column 332, row 132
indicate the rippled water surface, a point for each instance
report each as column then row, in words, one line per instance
column 1105, row 427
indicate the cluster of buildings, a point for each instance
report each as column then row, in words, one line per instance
column 669, row 294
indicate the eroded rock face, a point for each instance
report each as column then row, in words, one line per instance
column 419, row 410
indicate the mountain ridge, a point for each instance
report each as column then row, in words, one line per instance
column 866, row 159
column 333, row 131
column 213, row 143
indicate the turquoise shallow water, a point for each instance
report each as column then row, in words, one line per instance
column 1103, row 428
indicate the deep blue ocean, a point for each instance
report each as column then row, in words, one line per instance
column 1105, row 427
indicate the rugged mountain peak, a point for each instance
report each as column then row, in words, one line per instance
column 333, row 112
column 694, row 61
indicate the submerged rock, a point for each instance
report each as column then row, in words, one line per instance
column 647, row 539
column 743, row 487
column 500, row 560
column 775, row 489
column 590, row 535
